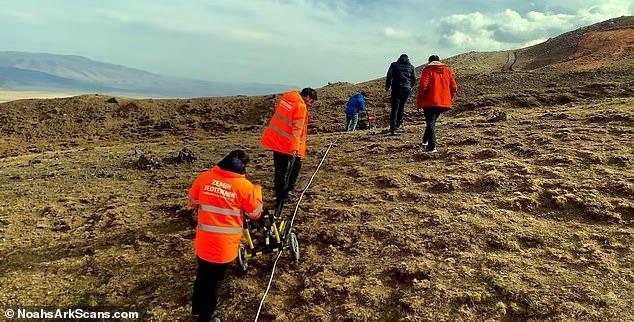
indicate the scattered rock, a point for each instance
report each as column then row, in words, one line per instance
column 492, row 180
column 186, row 155
column 112, row 100
column 385, row 181
column 497, row 116
column 412, row 270
column 563, row 98
column 486, row 154
column 619, row 160
column 516, row 308
column 522, row 203
column 147, row 162
column 502, row 242
column 50, row 212
column 500, row 307
column 527, row 101
column 446, row 185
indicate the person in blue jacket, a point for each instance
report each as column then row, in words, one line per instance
column 355, row 104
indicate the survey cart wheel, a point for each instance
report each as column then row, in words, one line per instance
column 294, row 244
column 242, row 259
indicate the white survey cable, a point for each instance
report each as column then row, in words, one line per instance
column 268, row 287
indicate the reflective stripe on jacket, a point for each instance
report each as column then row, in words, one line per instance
column 288, row 128
column 222, row 198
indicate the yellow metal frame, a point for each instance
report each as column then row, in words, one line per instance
column 276, row 232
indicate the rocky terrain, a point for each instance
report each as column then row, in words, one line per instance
column 527, row 211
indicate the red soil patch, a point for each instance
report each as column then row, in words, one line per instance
column 599, row 49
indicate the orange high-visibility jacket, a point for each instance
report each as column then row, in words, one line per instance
column 437, row 87
column 222, row 198
column 288, row 128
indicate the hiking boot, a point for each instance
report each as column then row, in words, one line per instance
column 432, row 151
column 425, row 143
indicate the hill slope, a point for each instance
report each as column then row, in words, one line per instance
column 607, row 45
column 526, row 216
column 526, row 213
column 82, row 74
column 16, row 78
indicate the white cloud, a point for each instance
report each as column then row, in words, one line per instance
column 533, row 42
column 303, row 42
column 606, row 10
column 396, row 33
column 21, row 16
column 163, row 18
column 510, row 29
column 468, row 31
column 24, row 16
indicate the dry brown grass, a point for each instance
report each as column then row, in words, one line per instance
column 524, row 218
column 526, row 213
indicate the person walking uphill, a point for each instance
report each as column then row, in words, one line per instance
column 356, row 103
column 401, row 78
column 435, row 95
column 286, row 137
column 222, row 196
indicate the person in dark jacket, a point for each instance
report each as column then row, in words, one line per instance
column 356, row 103
column 401, row 78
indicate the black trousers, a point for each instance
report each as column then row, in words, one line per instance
column 207, row 288
column 431, row 116
column 282, row 164
column 397, row 101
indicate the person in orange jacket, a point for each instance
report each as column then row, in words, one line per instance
column 286, row 137
column 222, row 197
column 435, row 96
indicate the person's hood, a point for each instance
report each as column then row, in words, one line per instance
column 403, row 60
column 292, row 96
column 436, row 65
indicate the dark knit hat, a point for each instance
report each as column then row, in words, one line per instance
column 433, row 58
column 236, row 161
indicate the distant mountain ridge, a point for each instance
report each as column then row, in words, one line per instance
column 50, row 72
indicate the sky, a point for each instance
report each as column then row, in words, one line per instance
column 295, row 42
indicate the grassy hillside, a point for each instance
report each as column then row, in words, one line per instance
column 526, row 213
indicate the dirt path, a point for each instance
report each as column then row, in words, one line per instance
column 510, row 61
